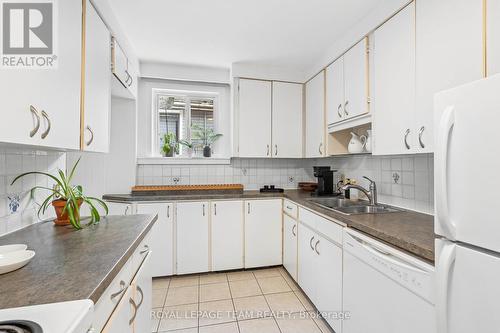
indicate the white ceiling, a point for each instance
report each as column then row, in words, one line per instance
column 284, row 33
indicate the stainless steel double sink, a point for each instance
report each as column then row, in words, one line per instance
column 351, row 207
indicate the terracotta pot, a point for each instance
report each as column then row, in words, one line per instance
column 62, row 219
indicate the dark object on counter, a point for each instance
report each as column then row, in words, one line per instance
column 187, row 189
column 271, row 189
column 207, row 151
column 325, row 180
column 308, row 186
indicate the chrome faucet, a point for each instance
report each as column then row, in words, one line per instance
column 371, row 193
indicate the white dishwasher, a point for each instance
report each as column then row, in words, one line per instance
column 385, row 290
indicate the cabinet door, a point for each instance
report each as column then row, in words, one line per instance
column 119, row 208
column 192, row 237
column 335, row 92
column 315, row 116
column 449, row 53
column 306, row 261
column 227, row 235
column 119, row 322
column 120, row 64
column 493, row 36
column 56, row 91
column 254, row 118
column 356, row 80
column 287, row 120
column 142, row 287
column 263, row 233
column 328, row 279
column 97, row 94
column 162, row 237
column 394, row 84
column 290, row 245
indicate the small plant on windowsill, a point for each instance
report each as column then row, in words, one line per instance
column 66, row 199
column 169, row 146
column 189, row 147
column 207, row 136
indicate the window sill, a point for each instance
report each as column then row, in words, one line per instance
column 183, row 160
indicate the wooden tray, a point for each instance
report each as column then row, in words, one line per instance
column 188, row 189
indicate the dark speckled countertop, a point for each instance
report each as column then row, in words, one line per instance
column 410, row 231
column 71, row 265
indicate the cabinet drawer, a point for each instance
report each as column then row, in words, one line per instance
column 140, row 253
column 290, row 208
column 106, row 304
column 330, row 229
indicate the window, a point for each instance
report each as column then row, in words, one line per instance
column 182, row 114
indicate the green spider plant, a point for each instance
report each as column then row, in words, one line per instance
column 72, row 194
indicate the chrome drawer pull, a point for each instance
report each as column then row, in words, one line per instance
column 316, row 247
column 88, row 143
column 420, row 133
column 123, row 286
column 146, row 249
column 293, row 230
column 35, row 113
column 406, row 138
column 310, row 243
column 46, row 116
column 131, row 321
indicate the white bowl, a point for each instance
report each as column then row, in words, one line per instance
column 13, row 247
column 14, row 260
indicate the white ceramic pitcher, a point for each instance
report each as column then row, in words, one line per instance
column 357, row 143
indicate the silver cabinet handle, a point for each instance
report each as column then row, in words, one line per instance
column 293, row 230
column 338, row 110
column 420, row 133
column 310, row 243
column 249, row 208
column 276, row 152
column 126, row 210
column 345, row 108
column 215, row 209
column 146, row 249
column 203, row 209
column 128, row 78
column 123, row 287
column 132, row 302
column 131, row 79
column 142, row 296
column 88, row 143
column 267, row 154
column 316, row 247
column 35, row 113
column 406, row 138
column 288, row 207
column 168, row 211
column 319, row 148
column 46, row 116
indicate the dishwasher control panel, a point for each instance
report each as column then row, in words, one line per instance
column 409, row 272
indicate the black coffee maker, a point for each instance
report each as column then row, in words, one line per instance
column 325, row 180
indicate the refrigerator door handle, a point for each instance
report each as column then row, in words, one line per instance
column 446, row 261
column 442, row 211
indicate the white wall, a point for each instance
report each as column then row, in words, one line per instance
column 223, row 116
column 182, row 72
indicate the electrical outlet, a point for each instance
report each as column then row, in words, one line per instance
column 176, row 180
column 396, row 177
column 291, row 180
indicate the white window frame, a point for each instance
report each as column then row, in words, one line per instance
column 188, row 95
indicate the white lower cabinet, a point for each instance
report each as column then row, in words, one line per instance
column 192, row 231
column 162, row 236
column 119, row 208
column 119, row 322
column 320, row 269
column 263, row 233
column 290, row 245
column 142, row 299
column 227, row 235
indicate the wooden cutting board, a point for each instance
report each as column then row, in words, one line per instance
column 187, row 189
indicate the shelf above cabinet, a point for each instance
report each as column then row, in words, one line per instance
column 338, row 141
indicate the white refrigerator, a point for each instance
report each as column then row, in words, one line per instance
column 467, row 198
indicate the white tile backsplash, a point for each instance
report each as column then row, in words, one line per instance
column 413, row 189
column 14, row 161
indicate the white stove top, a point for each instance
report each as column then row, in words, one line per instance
column 65, row 317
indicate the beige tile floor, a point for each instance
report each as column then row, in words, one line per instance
column 234, row 302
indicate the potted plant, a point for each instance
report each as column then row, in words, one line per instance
column 189, row 147
column 170, row 146
column 66, row 199
column 207, row 136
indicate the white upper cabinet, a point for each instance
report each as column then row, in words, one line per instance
column 42, row 106
column 493, row 36
column 315, row 116
column 335, row 97
column 125, row 85
column 254, row 114
column 449, row 52
column 97, row 93
column 394, row 84
column 287, row 120
column 356, row 80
